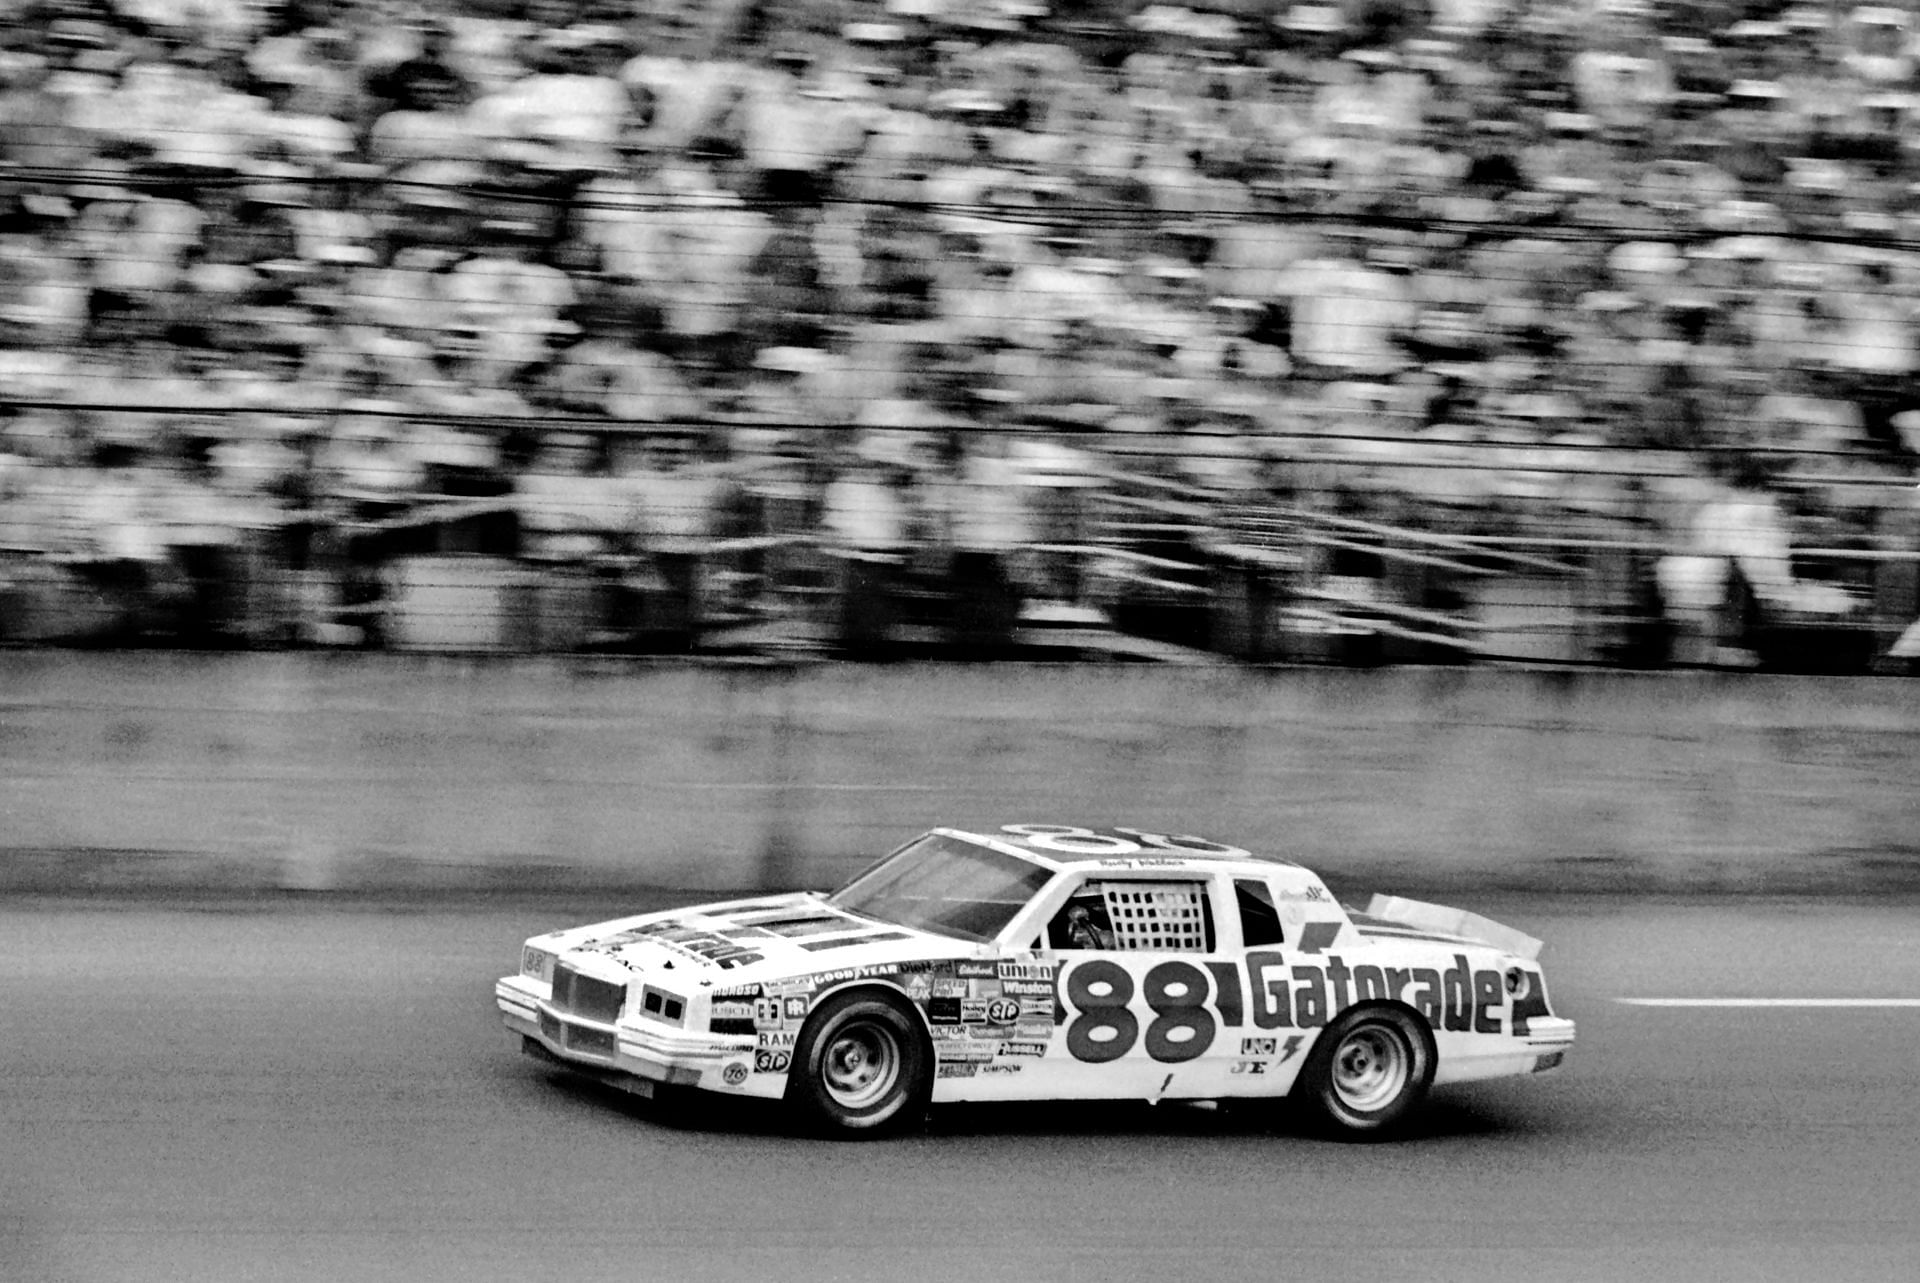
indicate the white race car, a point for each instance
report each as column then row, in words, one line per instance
column 1044, row 962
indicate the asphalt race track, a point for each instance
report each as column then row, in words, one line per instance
column 310, row 1093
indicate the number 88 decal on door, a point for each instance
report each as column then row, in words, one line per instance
column 1106, row 1028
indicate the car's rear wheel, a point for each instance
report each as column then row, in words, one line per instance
column 1368, row 1071
column 861, row 1068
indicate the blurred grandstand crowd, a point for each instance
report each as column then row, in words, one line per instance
column 1385, row 329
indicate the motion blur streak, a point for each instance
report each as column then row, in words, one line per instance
column 319, row 1093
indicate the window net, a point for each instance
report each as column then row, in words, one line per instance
column 1156, row 915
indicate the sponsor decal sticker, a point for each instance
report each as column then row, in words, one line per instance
column 962, row 1070
column 705, row 945
column 1174, row 1010
column 951, row 989
column 794, row 1008
column 1027, row 971
column 976, row 970
column 1248, row 1067
column 772, row 1062
column 1259, row 1046
column 734, row 1074
column 1003, row 1011
column 1023, row 1049
column 776, row 1040
column 1001, row 1069
column 1027, row 988
column 734, row 1011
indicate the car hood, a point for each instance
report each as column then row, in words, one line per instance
column 737, row 941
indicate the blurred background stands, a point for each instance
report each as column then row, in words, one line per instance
column 1342, row 333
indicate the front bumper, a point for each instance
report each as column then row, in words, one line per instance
column 611, row 1052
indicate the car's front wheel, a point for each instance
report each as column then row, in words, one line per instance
column 860, row 1068
column 1368, row 1071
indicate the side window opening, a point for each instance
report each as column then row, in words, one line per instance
column 1083, row 922
column 1259, row 919
column 1129, row 916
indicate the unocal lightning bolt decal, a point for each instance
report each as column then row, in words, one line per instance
column 1292, row 1045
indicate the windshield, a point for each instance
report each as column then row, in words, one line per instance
column 945, row 885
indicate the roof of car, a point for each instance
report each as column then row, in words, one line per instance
column 1077, row 846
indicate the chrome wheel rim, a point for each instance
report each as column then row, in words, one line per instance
column 1370, row 1067
column 861, row 1065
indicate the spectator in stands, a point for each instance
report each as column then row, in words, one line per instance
column 869, row 520
column 506, row 210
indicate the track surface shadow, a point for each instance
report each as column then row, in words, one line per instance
column 1442, row 1117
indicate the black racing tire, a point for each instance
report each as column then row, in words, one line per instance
column 862, row 1068
column 1367, row 1072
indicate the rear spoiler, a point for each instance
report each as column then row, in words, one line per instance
column 1455, row 922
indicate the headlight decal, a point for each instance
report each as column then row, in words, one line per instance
column 663, row 1006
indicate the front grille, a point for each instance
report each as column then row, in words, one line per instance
column 586, row 997
column 594, row 1042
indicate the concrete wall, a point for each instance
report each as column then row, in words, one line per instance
column 381, row 771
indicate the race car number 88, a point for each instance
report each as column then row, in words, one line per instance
column 1105, row 1029
column 1070, row 839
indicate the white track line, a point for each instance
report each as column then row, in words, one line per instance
column 1771, row 1002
